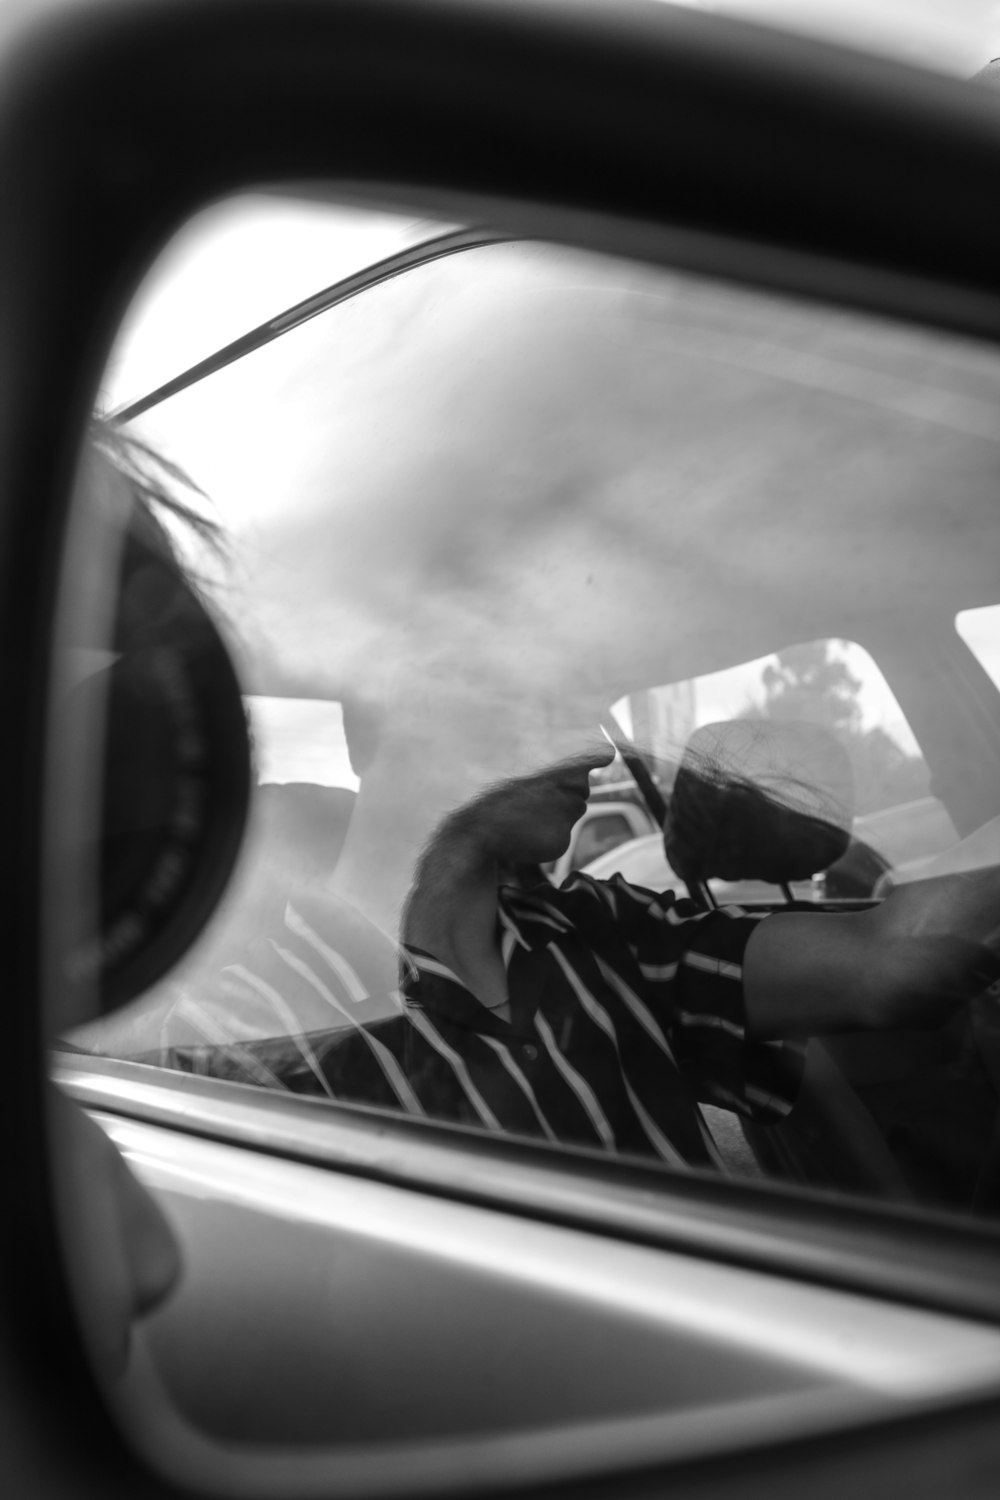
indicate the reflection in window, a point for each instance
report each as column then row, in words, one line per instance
column 301, row 739
column 466, row 513
column 980, row 630
column 897, row 824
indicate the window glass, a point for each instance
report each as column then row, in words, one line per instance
column 601, row 832
column 207, row 290
column 980, row 630
column 300, row 739
column 897, row 825
column 466, row 514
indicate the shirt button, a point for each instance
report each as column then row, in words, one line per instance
column 530, row 1051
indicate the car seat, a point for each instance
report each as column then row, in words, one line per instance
column 765, row 801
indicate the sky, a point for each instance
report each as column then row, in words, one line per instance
column 218, row 429
column 724, row 695
column 242, row 262
column 234, row 266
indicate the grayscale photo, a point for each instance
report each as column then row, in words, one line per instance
column 501, row 614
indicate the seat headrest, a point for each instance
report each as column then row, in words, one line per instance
column 756, row 799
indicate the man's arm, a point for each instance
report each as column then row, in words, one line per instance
column 908, row 962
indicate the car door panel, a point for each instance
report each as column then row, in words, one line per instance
column 401, row 1324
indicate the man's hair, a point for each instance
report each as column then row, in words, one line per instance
column 157, row 485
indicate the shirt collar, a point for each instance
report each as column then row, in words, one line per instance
column 531, row 917
column 431, row 985
column 528, row 920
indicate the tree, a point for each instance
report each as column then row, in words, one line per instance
column 809, row 683
column 884, row 775
column 806, row 682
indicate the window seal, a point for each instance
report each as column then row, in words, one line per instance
column 450, row 243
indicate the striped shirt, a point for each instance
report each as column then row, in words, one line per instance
column 626, row 1010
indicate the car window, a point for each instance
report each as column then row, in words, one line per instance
column 461, row 516
column 897, row 826
column 602, row 831
column 980, row 630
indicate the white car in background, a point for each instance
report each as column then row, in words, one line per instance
column 604, row 828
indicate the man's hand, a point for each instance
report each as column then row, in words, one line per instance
column 938, row 946
column 929, row 948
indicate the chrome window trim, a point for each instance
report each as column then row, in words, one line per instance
column 423, row 254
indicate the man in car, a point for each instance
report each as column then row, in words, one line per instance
column 598, row 1015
